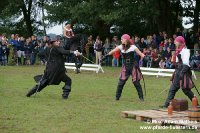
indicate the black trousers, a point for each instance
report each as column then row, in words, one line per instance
column 125, row 73
column 175, row 86
column 44, row 82
column 172, row 93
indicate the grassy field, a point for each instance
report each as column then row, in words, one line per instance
column 91, row 107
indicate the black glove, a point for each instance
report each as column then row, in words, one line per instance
column 146, row 58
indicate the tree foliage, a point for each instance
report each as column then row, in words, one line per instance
column 100, row 16
column 20, row 16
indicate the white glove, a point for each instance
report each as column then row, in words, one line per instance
column 77, row 53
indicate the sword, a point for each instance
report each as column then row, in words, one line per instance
column 87, row 59
column 195, row 87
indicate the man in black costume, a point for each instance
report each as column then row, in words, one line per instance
column 55, row 70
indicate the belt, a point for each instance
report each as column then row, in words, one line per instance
column 128, row 61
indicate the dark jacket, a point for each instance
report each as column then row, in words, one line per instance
column 55, row 69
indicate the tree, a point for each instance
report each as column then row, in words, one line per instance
column 129, row 15
column 196, row 16
column 192, row 11
column 21, row 16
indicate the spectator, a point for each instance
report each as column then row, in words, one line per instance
column 4, row 51
column 41, row 52
column 14, row 43
column 162, row 63
column 89, row 48
column 161, row 44
column 107, row 49
column 161, row 53
column 195, row 62
column 115, row 42
column 168, row 55
column 115, row 60
column 143, row 44
column 28, row 50
column 98, row 49
column 155, row 59
column 20, row 51
column 170, row 44
column 34, row 46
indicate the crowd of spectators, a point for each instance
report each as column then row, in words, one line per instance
column 17, row 50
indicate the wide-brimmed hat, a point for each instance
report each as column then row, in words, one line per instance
column 54, row 40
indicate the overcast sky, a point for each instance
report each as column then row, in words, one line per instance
column 58, row 29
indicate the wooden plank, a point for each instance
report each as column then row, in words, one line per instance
column 153, row 114
column 161, row 117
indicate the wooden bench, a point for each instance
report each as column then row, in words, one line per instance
column 87, row 67
column 160, row 72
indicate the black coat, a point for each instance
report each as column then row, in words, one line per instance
column 55, row 69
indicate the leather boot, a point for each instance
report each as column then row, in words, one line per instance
column 118, row 92
column 139, row 90
column 32, row 91
column 66, row 91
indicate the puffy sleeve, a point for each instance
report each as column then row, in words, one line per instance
column 120, row 47
column 185, row 56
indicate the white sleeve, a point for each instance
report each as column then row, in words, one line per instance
column 133, row 47
column 120, row 47
column 185, row 56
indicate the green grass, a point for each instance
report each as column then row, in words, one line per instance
column 91, row 107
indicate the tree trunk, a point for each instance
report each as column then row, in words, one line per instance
column 174, row 21
column 196, row 16
column 27, row 17
column 44, row 27
column 162, row 18
column 103, row 29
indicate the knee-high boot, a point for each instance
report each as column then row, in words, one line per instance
column 139, row 90
column 37, row 88
column 32, row 91
column 119, row 89
column 66, row 91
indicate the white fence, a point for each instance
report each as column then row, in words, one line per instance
column 88, row 67
column 160, row 72
column 145, row 71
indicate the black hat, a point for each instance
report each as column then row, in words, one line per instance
column 54, row 40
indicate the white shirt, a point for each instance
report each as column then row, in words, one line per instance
column 185, row 56
column 132, row 48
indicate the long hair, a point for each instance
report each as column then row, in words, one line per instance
column 127, row 45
